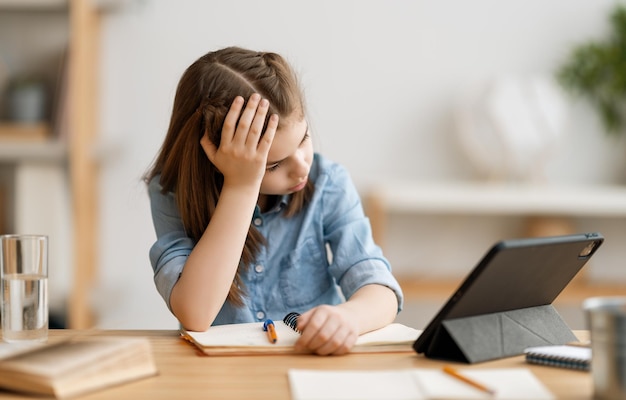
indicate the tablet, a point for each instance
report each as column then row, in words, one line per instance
column 514, row 274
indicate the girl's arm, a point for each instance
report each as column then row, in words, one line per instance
column 210, row 269
column 373, row 295
column 335, row 329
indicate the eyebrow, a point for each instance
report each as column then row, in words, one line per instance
column 306, row 131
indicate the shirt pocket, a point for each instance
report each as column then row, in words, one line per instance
column 304, row 274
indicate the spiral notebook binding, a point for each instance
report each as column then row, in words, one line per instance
column 560, row 356
column 291, row 320
column 558, row 362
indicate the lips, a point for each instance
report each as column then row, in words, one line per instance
column 299, row 186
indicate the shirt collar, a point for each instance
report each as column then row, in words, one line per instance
column 279, row 206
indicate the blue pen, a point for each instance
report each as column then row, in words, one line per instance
column 268, row 326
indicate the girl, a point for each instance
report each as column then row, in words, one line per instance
column 250, row 222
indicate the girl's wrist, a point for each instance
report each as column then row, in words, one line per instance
column 241, row 187
column 242, row 192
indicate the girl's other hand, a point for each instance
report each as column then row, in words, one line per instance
column 242, row 154
column 326, row 330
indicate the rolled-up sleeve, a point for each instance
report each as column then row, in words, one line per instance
column 172, row 247
column 356, row 259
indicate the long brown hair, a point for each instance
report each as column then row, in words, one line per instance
column 203, row 97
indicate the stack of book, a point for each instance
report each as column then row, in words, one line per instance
column 76, row 366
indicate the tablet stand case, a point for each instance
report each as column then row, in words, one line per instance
column 497, row 335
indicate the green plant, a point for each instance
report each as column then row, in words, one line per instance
column 597, row 71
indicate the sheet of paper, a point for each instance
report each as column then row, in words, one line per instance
column 513, row 383
column 353, row 385
column 508, row 383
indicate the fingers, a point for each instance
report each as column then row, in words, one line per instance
column 325, row 332
column 252, row 134
column 230, row 122
column 251, row 120
column 242, row 153
column 246, row 127
column 266, row 142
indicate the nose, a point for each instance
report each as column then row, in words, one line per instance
column 300, row 167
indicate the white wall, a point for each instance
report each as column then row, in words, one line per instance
column 39, row 188
column 381, row 78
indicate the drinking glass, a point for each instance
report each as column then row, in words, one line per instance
column 606, row 319
column 24, row 275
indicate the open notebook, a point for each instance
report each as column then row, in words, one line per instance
column 250, row 338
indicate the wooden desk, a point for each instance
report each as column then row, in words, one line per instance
column 186, row 375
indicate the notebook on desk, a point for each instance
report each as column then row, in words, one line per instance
column 504, row 305
column 251, row 339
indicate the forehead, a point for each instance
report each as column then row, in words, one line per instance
column 290, row 123
column 288, row 137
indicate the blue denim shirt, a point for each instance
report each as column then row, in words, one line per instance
column 322, row 255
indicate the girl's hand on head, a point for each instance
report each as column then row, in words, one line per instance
column 242, row 153
column 327, row 330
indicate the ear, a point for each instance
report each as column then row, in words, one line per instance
column 208, row 146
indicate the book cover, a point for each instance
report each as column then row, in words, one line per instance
column 77, row 366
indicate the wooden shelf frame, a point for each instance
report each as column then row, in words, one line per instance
column 83, row 123
column 76, row 149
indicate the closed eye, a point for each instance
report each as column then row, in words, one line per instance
column 273, row 167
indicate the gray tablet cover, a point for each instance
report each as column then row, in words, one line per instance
column 504, row 304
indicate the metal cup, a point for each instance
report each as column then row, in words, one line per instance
column 606, row 320
column 24, row 275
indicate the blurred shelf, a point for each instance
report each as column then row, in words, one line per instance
column 548, row 209
column 24, row 132
column 75, row 29
column 440, row 289
column 499, row 199
column 60, row 5
column 29, row 142
column 15, row 152
column 33, row 5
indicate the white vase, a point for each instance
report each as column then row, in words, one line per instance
column 509, row 126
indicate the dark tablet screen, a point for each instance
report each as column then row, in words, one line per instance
column 515, row 274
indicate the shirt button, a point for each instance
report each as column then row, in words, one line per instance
column 260, row 315
column 258, row 268
column 258, row 221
